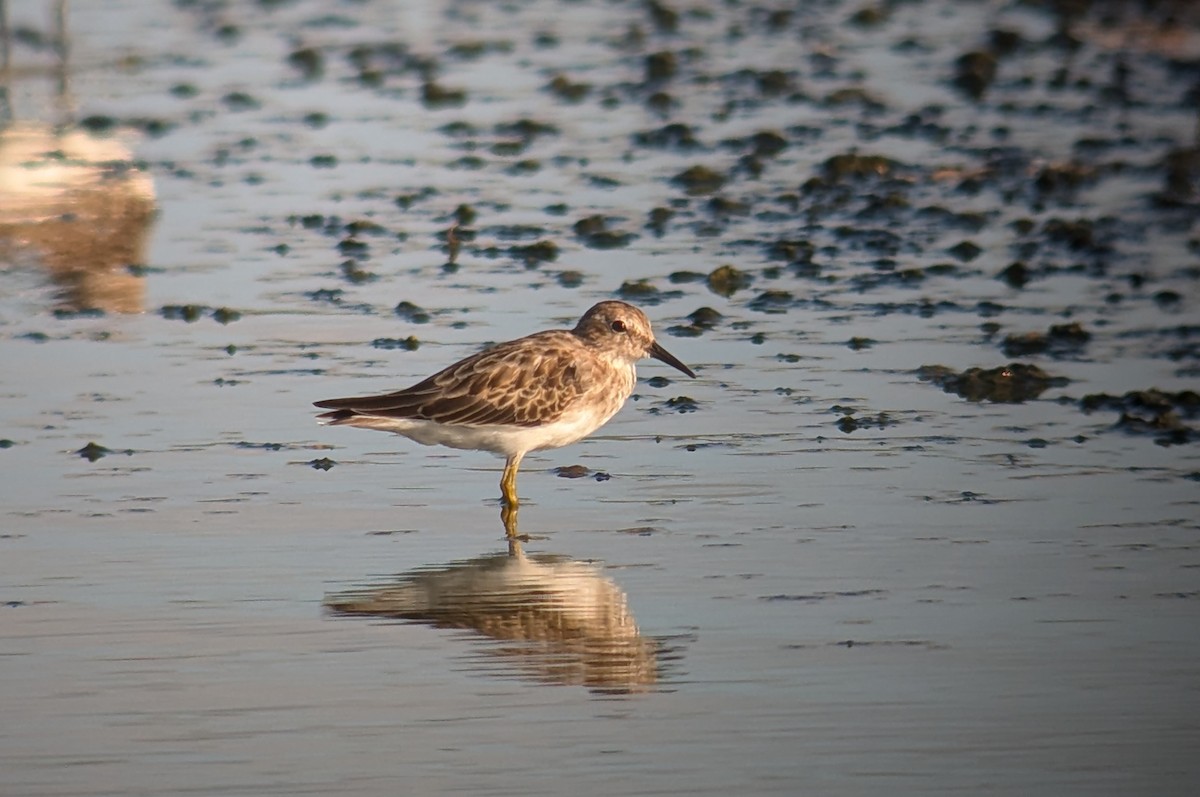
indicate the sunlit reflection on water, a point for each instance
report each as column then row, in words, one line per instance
column 549, row 618
column 75, row 205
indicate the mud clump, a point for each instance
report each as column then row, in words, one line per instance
column 665, row 18
column 1063, row 179
column 1077, row 235
column 411, row 343
column 224, row 315
column 595, row 233
column 661, row 67
column 1008, row 384
column 974, row 73
column 1151, row 412
column 533, row 254
column 680, row 404
column 773, row 82
column 702, row 320
column 580, row 472
column 767, row 143
column 434, row 95
column 705, row 317
column 643, row 290
column 773, row 301
column 182, row 312
column 526, row 166
column 722, row 207
column 727, row 280
column 570, row 278
column 850, row 423
column 699, row 180
column 763, row 144
column 567, row 91
column 657, row 219
column 673, row 136
column 966, row 251
column 308, row 61
column 1182, row 179
column 353, row 248
column 1061, row 340
column 412, row 313
column 792, row 250
column 465, row 215
column 853, row 96
column 1016, row 274
column 192, row 313
column 975, row 70
column 240, row 101
column 94, row 451
column 880, row 187
column 525, row 129
column 852, row 166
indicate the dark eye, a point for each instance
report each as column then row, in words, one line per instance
column 618, row 326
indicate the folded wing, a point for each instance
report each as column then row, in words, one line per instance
column 512, row 384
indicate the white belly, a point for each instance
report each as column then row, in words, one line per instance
column 504, row 440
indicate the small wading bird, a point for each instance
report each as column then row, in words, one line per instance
column 545, row 390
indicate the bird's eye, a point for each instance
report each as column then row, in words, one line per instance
column 618, row 326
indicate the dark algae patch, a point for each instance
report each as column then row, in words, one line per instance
column 727, row 280
column 1061, row 340
column 223, row 315
column 645, row 292
column 94, row 451
column 700, row 321
column 596, row 233
column 411, row 343
column 581, row 472
column 1157, row 413
column 852, row 423
column 699, row 180
column 412, row 313
column 1008, row 384
column 682, row 404
column 773, row 301
column 852, row 167
column 532, row 255
column 183, row 312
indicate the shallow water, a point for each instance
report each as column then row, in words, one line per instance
column 823, row 575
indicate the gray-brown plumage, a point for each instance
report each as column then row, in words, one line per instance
column 523, row 382
column 545, row 390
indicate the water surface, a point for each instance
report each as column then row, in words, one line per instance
column 809, row 570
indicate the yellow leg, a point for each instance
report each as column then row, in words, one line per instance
column 508, row 482
column 508, row 516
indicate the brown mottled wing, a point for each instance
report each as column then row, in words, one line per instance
column 515, row 383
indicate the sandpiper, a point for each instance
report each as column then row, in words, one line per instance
column 545, row 390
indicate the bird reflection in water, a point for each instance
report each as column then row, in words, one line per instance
column 551, row 619
column 72, row 202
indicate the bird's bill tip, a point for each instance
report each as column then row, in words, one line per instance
column 659, row 353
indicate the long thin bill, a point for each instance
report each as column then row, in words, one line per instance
column 659, row 353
